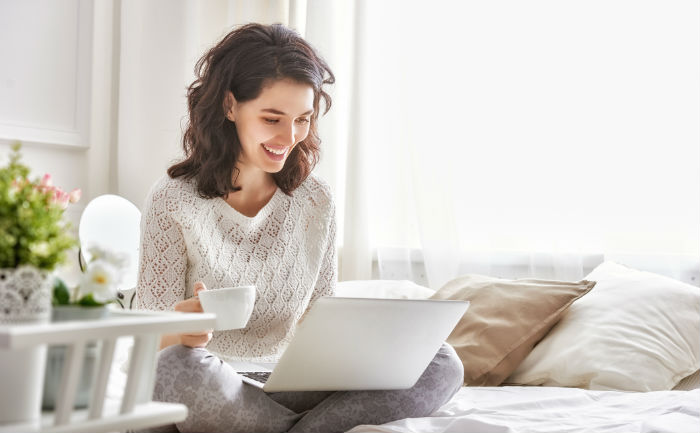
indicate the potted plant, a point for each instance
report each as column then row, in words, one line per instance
column 34, row 239
column 96, row 289
column 98, row 285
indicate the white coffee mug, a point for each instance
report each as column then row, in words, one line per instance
column 232, row 305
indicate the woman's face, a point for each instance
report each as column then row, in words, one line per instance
column 270, row 125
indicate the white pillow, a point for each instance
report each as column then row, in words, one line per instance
column 395, row 289
column 635, row 331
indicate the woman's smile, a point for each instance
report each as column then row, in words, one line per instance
column 275, row 153
column 271, row 125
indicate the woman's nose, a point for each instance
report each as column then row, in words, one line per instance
column 287, row 134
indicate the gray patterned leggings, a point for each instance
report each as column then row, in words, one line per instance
column 219, row 401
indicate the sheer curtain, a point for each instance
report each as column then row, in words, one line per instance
column 526, row 138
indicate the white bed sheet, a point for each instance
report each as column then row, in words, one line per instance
column 526, row 409
column 521, row 409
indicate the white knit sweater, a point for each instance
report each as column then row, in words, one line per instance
column 287, row 251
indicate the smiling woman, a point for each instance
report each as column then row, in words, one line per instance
column 243, row 209
column 269, row 135
column 260, row 81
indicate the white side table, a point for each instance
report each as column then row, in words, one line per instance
column 136, row 410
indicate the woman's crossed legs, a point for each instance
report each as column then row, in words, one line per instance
column 219, row 401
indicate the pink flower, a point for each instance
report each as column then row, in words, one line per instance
column 46, row 181
column 61, row 198
column 75, row 195
column 56, row 195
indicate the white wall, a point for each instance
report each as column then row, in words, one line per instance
column 97, row 94
column 153, row 81
column 45, row 87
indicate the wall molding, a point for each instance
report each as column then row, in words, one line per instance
column 74, row 135
column 41, row 135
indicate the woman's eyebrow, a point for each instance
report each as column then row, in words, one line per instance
column 282, row 113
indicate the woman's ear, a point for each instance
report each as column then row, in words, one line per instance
column 230, row 106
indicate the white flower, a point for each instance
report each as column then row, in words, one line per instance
column 100, row 279
column 96, row 252
column 116, row 259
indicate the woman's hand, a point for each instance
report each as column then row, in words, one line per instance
column 192, row 305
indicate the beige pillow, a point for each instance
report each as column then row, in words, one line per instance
column 505, row 320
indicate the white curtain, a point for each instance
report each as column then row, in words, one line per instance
column 527, row 138
column 501, row 137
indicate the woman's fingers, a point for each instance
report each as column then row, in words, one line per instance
column 198, row 287
column 192, row 305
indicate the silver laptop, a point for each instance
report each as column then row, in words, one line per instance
column 359, row 344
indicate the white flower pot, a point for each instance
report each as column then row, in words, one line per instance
column 25, row 295
column 25, row 298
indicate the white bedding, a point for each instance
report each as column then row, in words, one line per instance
column 521, row 409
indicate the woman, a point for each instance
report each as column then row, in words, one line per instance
column 243, row 208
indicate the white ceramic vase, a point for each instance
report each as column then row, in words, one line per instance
column 25, row 298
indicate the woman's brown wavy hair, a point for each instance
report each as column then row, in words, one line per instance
column 244, row 61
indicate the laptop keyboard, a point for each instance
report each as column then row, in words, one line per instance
column 260, row 376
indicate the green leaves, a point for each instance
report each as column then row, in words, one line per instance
column 32, row 228
column 89, row 301
column 61, row 294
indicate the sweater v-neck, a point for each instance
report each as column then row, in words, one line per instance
column 261, row 215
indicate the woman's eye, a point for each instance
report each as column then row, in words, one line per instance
column 303, row 120
column 270, row 121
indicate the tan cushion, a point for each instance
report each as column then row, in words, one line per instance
column 505, row 320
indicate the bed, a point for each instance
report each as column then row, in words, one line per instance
column 511, row 409
column 620, row 356
column 617, row 352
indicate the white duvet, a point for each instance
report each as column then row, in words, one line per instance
column 558, row 410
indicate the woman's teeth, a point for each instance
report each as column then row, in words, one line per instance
column 281, row 151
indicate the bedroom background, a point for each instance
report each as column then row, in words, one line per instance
column 505, row 138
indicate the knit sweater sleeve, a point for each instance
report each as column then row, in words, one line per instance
column 328, row 274
column 163, row 258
